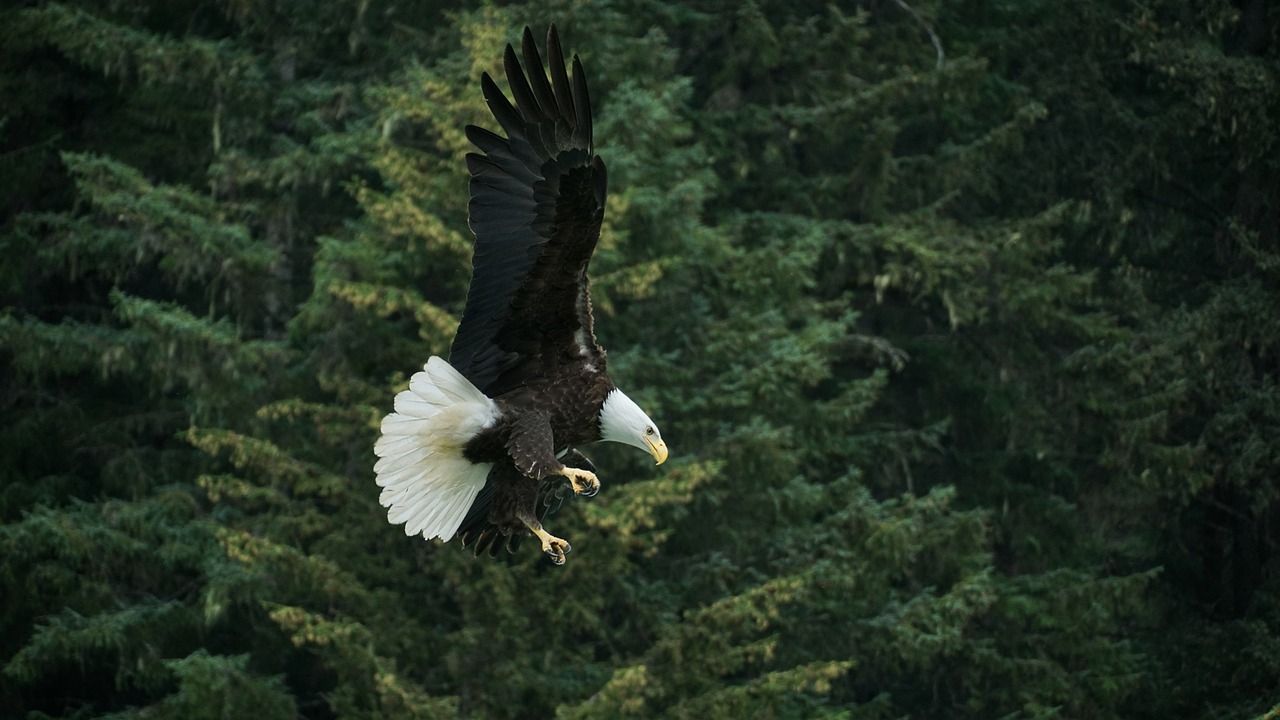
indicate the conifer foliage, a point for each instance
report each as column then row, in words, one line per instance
column 960, row 319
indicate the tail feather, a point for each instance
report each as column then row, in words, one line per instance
column 423, row 386
column 397, row 424
column 410, row 404
column 408, row 505
column 394, row 445
column 452, row 383
column 393, row 467
column 426, row 482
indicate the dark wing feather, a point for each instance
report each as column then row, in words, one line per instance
column 537, row 201
column 559, row 78
column 538, row 80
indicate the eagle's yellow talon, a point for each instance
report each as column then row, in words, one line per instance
column 555, row 548
column 584, row 482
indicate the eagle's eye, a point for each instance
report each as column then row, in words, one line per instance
column 648, row 431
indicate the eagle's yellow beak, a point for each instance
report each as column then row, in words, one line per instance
column 657, row 448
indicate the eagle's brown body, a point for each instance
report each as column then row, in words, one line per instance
column 524, row 461
column 571, row 404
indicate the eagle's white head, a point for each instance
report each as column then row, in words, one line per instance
column 621, row 420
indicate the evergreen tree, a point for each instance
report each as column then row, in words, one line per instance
column 959, row 320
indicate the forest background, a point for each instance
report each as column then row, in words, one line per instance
column 962, row 321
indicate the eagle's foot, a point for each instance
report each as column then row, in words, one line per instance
column 555, row 548
column 584, row 482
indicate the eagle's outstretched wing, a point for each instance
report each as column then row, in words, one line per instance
column 537, row 201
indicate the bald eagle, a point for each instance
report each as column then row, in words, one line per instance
column 481, row 446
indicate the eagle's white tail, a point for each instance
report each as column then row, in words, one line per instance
column 426, row 482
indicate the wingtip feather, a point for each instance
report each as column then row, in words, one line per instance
column 581, row 105
column 559, row 77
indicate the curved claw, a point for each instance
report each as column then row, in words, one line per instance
column 584, row 482
column 556, row 550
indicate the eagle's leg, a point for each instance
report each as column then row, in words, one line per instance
column 584, row 482
column 531, row 445
column 553, row 546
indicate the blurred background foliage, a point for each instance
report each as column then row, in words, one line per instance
column 961, row 318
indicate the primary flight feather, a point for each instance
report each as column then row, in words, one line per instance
column 481, row 446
